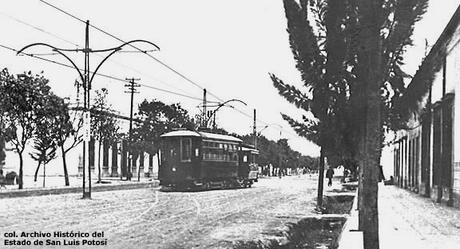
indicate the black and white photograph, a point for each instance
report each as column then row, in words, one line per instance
column 230, row 124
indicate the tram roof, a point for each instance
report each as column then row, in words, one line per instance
column 207, row 135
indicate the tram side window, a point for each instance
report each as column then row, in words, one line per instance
column 186, row 149
column 219, row 151
column 235, row 157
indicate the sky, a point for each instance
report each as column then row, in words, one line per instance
column 227, row 47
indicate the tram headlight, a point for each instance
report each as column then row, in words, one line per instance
column 173, row 169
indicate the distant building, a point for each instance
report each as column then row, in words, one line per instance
column 427, row 153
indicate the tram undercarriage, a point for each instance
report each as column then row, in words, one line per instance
column 232, row 183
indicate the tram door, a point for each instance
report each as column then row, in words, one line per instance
column 169, row 157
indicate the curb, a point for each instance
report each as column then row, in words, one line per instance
column 69, row 190
column 351, row 237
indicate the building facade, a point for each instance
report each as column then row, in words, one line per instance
column 427, row 153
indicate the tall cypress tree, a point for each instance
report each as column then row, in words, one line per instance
column 350, row 65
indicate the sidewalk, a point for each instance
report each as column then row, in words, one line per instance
column 408, row 220
column 55, row 185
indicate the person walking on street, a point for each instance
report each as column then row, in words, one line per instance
column 329, row 175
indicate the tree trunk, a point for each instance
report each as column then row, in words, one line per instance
column 36, row 171
column 370, row 76
column 141, row 162
column 21, row 164
column 44, row 173
column 99, row 161
column 361, row 154
column 64, row 165
column 319, row 200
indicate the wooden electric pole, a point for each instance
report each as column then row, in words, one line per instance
column 131, row 90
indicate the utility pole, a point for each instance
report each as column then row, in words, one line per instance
column 87, row 115
column 86, row 77
column 254, row 132
column 132, row 90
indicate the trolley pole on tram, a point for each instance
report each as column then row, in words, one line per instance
column 87, row 77
column 204, row 122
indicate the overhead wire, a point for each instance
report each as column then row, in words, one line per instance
column 37, row 28
column 149, row 55
column 100, row 74
column 77, row 45
column 121, row 40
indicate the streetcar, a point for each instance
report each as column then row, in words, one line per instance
column 203, row 160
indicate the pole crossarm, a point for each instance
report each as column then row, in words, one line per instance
column 56, row 50
column 113, row 51
column 226, row 102
column 129, row 42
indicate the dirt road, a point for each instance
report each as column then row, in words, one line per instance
column 148, row 218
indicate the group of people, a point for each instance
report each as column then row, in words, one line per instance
column 346, row 173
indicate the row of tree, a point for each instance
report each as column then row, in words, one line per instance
column 350, row 62
column 29, row 110
column 158, row 118
column 32, row 113
column 279, row 154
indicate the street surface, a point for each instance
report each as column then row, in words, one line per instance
column 148, row 218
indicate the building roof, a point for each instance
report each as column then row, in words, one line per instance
column 205, row 135
column 423, row 78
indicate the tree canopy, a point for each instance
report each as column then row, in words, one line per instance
column 21, row 101
column 158, row 118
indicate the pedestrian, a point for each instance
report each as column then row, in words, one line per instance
column 329, row 175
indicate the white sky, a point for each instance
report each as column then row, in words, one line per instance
column 228, row 47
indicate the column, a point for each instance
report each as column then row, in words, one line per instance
column 135, row 155
column 115, row 159
column 105, row 158
column 92, row 157
column 150, row 170
column 124, row 158
column 141, row 163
